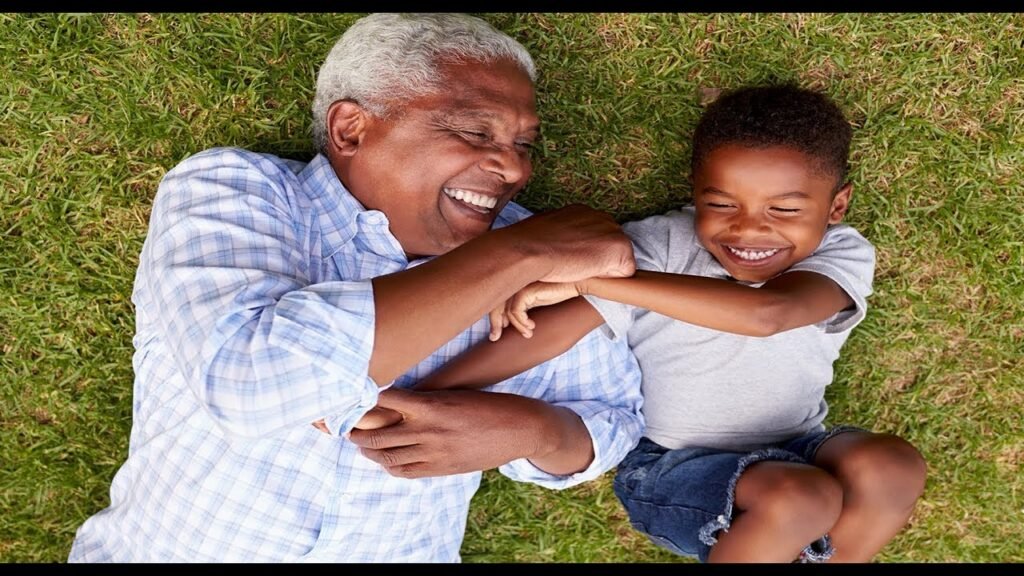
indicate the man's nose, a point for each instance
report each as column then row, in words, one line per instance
column 507, row 162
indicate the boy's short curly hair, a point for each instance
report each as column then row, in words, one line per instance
column 777, row 115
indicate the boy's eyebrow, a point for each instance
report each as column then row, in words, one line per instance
column 793, row 194
column 783, row 196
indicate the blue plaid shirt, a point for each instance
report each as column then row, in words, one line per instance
column 255, row 317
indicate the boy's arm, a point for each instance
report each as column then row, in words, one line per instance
column 557, row 329
column 490, row 362
column 790, row 300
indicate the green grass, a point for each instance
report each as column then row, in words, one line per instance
column 96, row 108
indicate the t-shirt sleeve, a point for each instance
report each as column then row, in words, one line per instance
column 848, row 259
column 651, row 239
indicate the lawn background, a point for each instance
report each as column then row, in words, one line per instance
column 96, row 108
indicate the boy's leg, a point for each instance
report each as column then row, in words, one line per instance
column 780, row 508
column 882, row 478
column 766, row 505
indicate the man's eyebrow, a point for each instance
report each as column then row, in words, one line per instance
column 464, row 114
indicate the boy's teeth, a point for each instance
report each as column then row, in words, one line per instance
column 753, row 254
column 471, row 197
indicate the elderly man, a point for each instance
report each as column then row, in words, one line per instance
column 279, row 302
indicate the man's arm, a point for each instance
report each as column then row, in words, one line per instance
column 586, row 419
column 223, row 276
column 420, row 309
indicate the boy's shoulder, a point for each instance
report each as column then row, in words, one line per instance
column 675, row 220
column 844, row 235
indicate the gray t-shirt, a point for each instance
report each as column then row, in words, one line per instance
column 709, row 388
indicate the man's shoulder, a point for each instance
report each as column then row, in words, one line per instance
column 229, row 157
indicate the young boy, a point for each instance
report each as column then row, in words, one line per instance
column 737, row 311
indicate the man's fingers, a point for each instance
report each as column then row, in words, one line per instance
column 387, row 438
column 394, row 457
column 395, row 463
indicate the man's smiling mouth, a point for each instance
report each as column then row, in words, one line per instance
column 478, row 202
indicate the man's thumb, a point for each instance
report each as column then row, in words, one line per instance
column 398, row 399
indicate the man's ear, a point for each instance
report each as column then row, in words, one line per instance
column 840, row 203
column 346, row 122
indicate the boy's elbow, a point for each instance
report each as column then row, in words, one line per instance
column 769, row 320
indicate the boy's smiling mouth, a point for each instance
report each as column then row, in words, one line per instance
column 753, row 254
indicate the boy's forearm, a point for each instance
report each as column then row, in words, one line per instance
column 558, row 328
column 791, row 300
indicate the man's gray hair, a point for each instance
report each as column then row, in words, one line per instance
column 385, row 59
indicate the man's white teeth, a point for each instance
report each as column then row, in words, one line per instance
column 753, row 254
column 472, row 198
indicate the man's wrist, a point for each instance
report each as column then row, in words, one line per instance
column 533, row 258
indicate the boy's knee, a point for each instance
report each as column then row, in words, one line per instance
column 811, row 499
column 887, row 466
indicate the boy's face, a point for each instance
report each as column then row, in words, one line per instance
column 761, row 210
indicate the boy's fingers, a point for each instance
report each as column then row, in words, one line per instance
column 498, row 322
column 517, row 311
column 522, row 323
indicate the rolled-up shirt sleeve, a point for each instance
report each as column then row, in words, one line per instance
column 599, row 380
column 226, row 280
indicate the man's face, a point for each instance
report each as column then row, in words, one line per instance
column 445, row 165
column 761, row 210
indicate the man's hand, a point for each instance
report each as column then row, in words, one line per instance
column 453, row 432
column 377, row 417
column 515, row 309
column 578, row 242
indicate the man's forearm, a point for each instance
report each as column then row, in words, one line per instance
column 419, row 309
column 564, row 446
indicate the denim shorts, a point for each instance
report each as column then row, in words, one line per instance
column 680, row 499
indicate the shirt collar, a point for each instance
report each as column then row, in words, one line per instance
column 341, row 216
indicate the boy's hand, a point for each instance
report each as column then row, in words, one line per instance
column 532, row 296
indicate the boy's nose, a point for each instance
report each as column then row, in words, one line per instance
column 746, row 221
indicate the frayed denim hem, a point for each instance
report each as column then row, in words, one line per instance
column 723, row 520
column 817, row 552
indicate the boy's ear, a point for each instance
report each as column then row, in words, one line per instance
column 346, row 123
column 840, row 203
